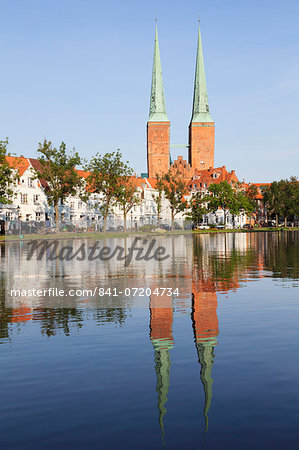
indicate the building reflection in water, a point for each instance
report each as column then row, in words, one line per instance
column 161, row 318
column 200, row 266
column 205, row 328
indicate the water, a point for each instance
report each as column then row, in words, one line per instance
column 216, row 366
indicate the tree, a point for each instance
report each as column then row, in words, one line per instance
column 251, row 194
column 174, row 189
column 291, row 196
column 197, row 208
column 7, row 175
column 273, row 198
column 158, row 197
column 106, row 175
column 221, row 196
column 127, row 197
column 282, row 198
column 228, row 198
column 58, row 170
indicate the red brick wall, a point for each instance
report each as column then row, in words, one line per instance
column 158, row 136
column 202, row 145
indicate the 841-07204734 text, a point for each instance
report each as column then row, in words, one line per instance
column 139, row 292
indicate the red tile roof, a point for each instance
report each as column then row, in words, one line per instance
column 18, row 163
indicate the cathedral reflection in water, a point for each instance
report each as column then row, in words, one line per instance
column 201, row 267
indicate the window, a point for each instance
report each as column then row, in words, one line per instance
column 205, row 185
column 8, row 215
column 30, row 182
column 38, row 216
column 72, row 205
column 24, row 199
column 36, row 199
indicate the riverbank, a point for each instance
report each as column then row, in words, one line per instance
column 121, row 234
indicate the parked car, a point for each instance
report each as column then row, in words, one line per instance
column 247, row 226
column 203, row 227
column 165, row 227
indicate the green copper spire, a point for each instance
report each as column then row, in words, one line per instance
column 157, row 106
column 205, row 353
column 200, row 112
column 162, row 367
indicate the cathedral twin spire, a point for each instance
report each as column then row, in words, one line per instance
column 157, row 104
column 200, row 110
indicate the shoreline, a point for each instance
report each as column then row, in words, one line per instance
column 112, row 234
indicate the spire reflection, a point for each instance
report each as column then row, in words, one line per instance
column 161, row 318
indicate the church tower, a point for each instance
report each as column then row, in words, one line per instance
column 202, row 128
column 161, row 317
column 158, row 125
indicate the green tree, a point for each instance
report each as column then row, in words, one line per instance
column 174, row 189
column 221, row 196
column 157, row 197
column 291, row 195
column 127, row 197
column 273, row 199
column 282, row 199
column 58, row 170
column 251, row 194
column 231, row 199
column 7, row 175
column 106, row 175
column 197, row 208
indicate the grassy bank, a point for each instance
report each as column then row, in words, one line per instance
column 111, row 234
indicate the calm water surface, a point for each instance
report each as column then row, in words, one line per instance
column 216, row 366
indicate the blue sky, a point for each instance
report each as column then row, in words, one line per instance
column 80, row 71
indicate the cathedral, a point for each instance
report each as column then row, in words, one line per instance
column 201, row 129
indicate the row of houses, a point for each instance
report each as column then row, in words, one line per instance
column 29, row 200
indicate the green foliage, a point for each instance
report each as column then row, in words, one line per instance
column 108, row 174
column 158, row 197
column 58, row 170
column 228, row 198
column 197, row 208
column 7, row 176
column 127, row 197
column 174, row 189
column 282, row 198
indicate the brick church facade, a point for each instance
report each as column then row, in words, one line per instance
column 201, row 145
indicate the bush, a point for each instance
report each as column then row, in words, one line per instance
column 147, row 227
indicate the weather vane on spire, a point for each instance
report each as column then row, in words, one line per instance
column 156, row 17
